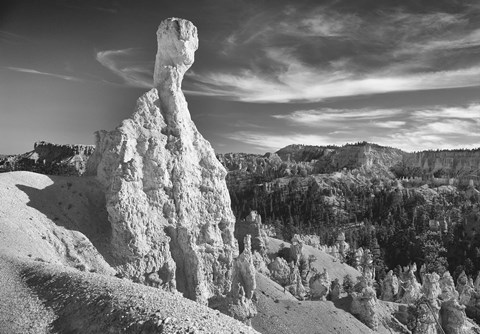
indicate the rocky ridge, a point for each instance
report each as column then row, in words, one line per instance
column 49, row 158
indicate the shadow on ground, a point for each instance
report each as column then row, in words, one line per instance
column 76, row 204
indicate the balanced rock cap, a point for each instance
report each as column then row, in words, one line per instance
column 177, row 41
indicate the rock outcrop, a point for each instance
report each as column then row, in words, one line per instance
column 319, row 285
column 167, row 200
column 296, row 287
column 389, row 287
column 410, row 288
column 252, row 225
column 296, row 249
column 51, row 159
column 342, row 246
column 280, row 271
column 364, row 306
column 453, row 317
column 465, row 289
column 241, row 298
column 447, row 287
column 429, row 306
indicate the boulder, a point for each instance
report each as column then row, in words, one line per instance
column 167, row 200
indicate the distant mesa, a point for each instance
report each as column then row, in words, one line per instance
column 51, row 159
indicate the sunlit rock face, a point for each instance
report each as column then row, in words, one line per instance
column 241, row 297
column 167, row 199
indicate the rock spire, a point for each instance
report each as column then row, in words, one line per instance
column 167, row 200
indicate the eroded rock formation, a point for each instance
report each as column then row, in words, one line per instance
column 296, row 249
column 241, row 299
column 364, row 306
column 167, row 200
column 280, row 271
column 447, row 287
column 342, row 246
column 252, row 225
column 319, row 285
column 410, row 288
column 465, row 289
column 51, row 159
column 389, row 287
column 429, row 307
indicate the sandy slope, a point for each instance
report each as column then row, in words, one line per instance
column 281, row 313
column 43, row 298
column 53, row 218
column 334, row 268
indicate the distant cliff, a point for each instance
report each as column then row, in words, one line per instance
column 371, row 160
column 447, row 163
column 307, row 184
column 48, row 158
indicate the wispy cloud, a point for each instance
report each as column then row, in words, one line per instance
column 273, row 142
column 313, row 85
column 408, row 129
column 313, row 117
column 297, row 55
column 12, row 38
column 123, row 63
column 54, row 75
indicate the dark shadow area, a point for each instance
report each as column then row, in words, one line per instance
column 343, row 303
column 76, row 204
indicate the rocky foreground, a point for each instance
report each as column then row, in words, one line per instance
column 43, row 298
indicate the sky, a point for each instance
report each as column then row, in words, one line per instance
column 268, row 73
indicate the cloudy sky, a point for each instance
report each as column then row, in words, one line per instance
column 268, row 73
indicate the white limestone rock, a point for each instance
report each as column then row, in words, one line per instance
column 389, row 287
column 453, row 317
column 364, row 307
column 410, row 288
column 167, row 199
column 447, row 286
column 241, row 298
column 280, row 271
column 296, row 249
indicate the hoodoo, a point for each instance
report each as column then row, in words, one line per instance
column 167, row 200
